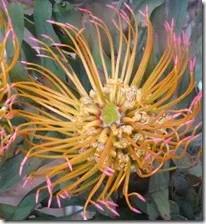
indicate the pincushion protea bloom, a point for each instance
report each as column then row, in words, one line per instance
column 7, row 133
column 123, row 125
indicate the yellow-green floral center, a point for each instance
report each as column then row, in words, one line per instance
column 110, row 114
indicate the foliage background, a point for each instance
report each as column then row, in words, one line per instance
column 176, row 195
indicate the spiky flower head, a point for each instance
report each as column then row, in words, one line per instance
column 7, row 36
column 125, row 124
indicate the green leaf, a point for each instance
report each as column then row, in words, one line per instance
column 141, row 5
column 17, row 74
column 158, row 15
column 43, row 27
column 193, row 180
column 16, row 13
column 161, row 199
column 199, row 216
column 186, row 162
column 177, row 9
column 159, row 181
column 198, row 67
column 41, row 216
column 29, row 24
column 152, row 210
column 174, row 208
column 179, row 183
column 192, row 197
column 67, row 14
column 158, row 189
column 9, row 172
column 6, row 211
column 80, row 72
column 186, row 209
column 30, row 53
column 196, row 170
column 40, row 17
column 177, row 217
column 28, row 203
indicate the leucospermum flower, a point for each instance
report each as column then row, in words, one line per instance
column 7, row 132
column 123, row 125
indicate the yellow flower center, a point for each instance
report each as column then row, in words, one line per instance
column 110, row 114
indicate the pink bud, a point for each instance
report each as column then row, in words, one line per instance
column 113, row 211
column 24, row 62
column 8, row 33
column 167, row 25
column 22, row 165
column 34, row 39
column 142, row 13
column 176, row 115
column 115, row 23
column 46, row 36
column 58, row 202
column 2, row 132
column 66, row 193
column 37, row 196
column 41, row 55
column 103, row 202
column 136, row 211
column 107, row 173
column 124, row 17
column 174, row 37
column 188, row 122
column 84, row 10
column 110, row 6
column 49, row 201
column 156, row 139
column 196, row 99
column 49, row 184
column 98, row 206
column 51, row 21
column 176, row 60
column 13, row 137
column 140, row 197
column 58, row 44
column 84, row 217
column 127, row 6
column 192, row 64
column 25, row 182
column 48, row 181
column 147, row 10
column 110, row 169
column 172, row 23
column 167, row 140
column 17, row 151
column 4, row 4
column 62, row 196
column 112, row 203
column 69, row 164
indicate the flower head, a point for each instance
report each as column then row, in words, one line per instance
column 7, row 36
column 123, row 125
